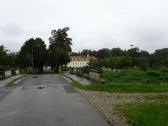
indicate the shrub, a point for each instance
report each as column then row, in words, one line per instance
column 28, row 70
column 153, row 73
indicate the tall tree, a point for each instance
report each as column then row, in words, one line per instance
column 117, row 52
column 13, row 59
column 161, row 52
column 103, row 53
column 3, row 55
column 89, row 52
column 59, row 48
column 33, row 53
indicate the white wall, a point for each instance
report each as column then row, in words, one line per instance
column 8, row 73
column 17, row 72
column 77, row 64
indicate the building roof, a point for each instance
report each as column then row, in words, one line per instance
column 82, row 58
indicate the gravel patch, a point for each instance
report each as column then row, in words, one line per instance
column 106, row 103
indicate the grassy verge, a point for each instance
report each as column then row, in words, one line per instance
column 11, row 84
column 131, row 80
column 112, row 87
column 145, row 114
column 143, row 97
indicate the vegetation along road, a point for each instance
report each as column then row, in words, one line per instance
column 47, row 100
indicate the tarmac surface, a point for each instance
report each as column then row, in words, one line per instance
column 47, row 100
column 74, row 77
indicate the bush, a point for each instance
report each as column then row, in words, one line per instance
column 136, row 76
column 153, row 73
column 28, row 70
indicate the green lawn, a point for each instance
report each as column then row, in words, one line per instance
column 145, row 114
column 116, row 87
column 11, row 84
column 131, row 80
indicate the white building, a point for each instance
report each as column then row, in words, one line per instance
column 79, row 61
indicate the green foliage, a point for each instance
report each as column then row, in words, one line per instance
column 134, row 52
column 59, row 49
column 113, row 62
column 3, row 55
column 28, row 70
column 115, row 52
column 13, row 59
column 161, row 52
column 8, row 59
column 137, row 76
column 162, row 98
column 132, row 80
column 33, row 52
column 103, row 53
column 145, row 114
column 154, row 73
column 86, row 52
column 78, row 85
column 10, row 85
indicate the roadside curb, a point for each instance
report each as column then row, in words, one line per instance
column 5, row 82
column 77, row 78
column 68, row 77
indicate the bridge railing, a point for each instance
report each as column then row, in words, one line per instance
column 6, row 71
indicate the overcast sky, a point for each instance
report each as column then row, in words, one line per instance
column 94, row 24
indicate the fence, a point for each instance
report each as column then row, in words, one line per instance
column 95, row 75
column 6, row 72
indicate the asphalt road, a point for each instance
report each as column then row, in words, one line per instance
column 47, row 100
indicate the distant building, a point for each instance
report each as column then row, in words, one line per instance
column 79, row 61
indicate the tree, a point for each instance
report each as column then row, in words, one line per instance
column 59, row 48
column 13, row 59
column 119, row 62
column 33, row 53
column 161, row 52
column 159, row 57
column 103, row 53
column 75, row 54
column 117, row 52
column 144, row 53
column 89, row 52
column 3, row 55
column 134, row 52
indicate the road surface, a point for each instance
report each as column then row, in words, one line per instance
column 47, row 100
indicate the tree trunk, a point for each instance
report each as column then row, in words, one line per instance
column 57, row 69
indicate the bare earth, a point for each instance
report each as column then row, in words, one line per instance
column 106, row 103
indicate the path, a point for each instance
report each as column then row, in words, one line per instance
column 47, row 100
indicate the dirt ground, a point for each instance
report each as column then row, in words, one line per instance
column 106, row 103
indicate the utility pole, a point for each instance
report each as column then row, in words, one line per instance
column 32, row 57
column 32, row 60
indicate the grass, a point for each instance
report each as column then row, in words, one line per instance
column 145, row 114
column 131, row 80
column 11, row 84
column 137, row 76
column 154, row 110
column 112, row 87
column 162, row 98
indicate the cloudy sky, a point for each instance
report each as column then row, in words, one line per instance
column 94, row 24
